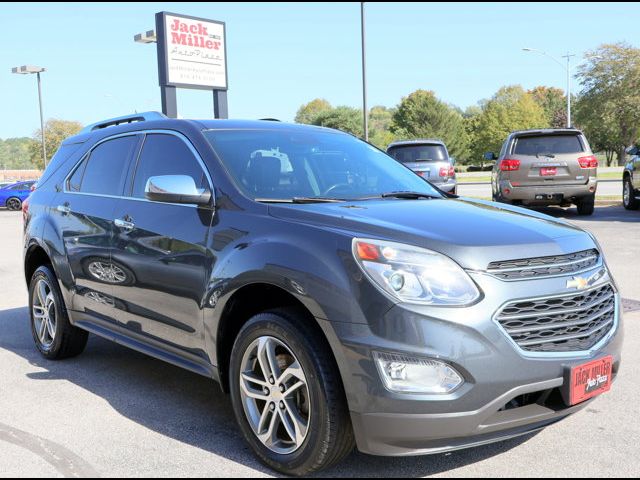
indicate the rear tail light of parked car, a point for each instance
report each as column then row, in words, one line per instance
column 588, row 162
column 509, row 165
column 447, row 172
column 33, row 187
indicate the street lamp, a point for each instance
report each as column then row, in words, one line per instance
column 25, row 70
column 147, row 37
column 567, row 68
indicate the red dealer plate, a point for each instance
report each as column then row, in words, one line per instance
column 590, row 379
column 548, row 171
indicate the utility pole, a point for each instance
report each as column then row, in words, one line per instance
column 365, row 112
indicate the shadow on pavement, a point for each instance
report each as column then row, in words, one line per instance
column 192, row 409
column 612, row 213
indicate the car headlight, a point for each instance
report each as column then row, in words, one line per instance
column 414, row 275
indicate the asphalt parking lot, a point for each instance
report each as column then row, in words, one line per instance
column 115, row 412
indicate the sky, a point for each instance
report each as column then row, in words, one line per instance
column 282, row 55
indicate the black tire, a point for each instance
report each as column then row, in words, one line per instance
column 67, row 341
column 630, row 203
column 14, row 204
column 586, row 205
column 496, row 197
column 330, row 435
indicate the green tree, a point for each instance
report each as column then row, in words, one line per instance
column 554, row 103
column 347, row 119
column 511, row 108
column 422, row 115
column 15, row 154
column 601, row 128
column 610, row 95
column 55, row 131
column 309, row 111
column 380, row 120
column 471, row 118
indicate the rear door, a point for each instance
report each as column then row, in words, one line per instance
column 83, row 217
column 163, row 246
column 550, row 159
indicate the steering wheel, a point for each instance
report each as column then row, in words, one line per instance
column 335, row 186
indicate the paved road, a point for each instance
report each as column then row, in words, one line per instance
column 605, row 188
column 114, row 412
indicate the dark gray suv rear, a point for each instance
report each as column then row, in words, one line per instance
column 340, row 299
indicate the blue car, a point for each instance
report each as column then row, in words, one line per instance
column 12, row 196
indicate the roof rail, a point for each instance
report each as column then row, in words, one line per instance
column 137, row 117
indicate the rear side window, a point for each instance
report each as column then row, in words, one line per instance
column 553, row 144
column 104, row 171
column 166, row 155
column 20, row 186
column 419, row 153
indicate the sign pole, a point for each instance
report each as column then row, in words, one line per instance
column 169, row 101
column 220, row 107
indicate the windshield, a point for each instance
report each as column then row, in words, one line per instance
column 418, row 153
column 288, row 164
column 548, row 144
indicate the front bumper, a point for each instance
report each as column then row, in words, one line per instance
column 507, row 392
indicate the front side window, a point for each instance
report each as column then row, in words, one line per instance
column 104, row 171
column 164, row 154
column 284, row 164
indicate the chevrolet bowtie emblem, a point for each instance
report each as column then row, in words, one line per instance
column 580, row 283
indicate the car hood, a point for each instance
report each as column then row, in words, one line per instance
column 472, row 232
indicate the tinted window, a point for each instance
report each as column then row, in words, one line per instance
column 554, row 144
column 281, row 164
column 166, row 155
column 107, row 165
column 419, row 153
column 20, row 186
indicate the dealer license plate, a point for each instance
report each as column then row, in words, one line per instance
column 590, row 379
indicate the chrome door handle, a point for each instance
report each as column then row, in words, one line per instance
column 63, row 209
column 128, row 226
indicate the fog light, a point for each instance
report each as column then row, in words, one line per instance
column 404, row 374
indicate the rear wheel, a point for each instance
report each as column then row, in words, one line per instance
column 629, row 195
column 586, row 205
column 287, row 396
column 14, row 203
column 52, row 333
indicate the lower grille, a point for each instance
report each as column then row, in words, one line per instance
column 566, row 323
column 544, row 266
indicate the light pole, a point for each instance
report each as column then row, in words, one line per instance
column 568, row 69
column 365, row 113
column 25, row 70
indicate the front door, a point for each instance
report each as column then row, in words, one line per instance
column 163, row 246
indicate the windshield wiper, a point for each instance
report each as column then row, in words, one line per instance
column 409, row 195
column 550, row 155
column 301, row 200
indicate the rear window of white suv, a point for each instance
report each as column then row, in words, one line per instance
column 554, row 144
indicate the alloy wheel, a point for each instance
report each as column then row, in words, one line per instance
column 13, row 204
column 44, row 313
column 275, row 395
column 626, row 192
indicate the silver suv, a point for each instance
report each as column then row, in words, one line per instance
column 428, row 158
column 546, row 167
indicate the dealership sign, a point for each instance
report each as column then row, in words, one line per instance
column 191, row 52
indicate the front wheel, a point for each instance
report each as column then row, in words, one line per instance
column 287, row 396
column 629, row 195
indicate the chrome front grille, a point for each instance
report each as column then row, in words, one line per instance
column 566, row 323
column 539, row 267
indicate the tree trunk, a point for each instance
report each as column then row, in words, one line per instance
column 622, row 156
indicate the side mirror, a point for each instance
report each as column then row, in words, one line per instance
column 634, row 150
column 176, row 189
column 490, row 156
